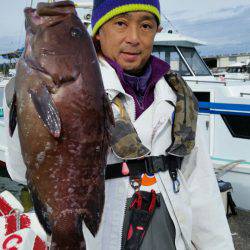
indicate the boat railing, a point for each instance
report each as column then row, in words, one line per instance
column 204, row 81
column 244, row 94
column 3, row 78
column 237, row 79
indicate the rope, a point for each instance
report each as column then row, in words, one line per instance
column 170, row 23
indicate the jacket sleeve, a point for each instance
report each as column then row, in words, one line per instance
column 210, row 228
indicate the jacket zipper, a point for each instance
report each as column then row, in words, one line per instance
column 134, row 107
column 124, row 214
column 125, row 208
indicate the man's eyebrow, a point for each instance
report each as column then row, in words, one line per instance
column 123, row 15
column 147, row 17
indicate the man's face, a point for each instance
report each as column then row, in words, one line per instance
column 128, row 39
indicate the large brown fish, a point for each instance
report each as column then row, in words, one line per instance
column 63, row 118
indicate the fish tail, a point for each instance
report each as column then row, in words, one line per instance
column 67, row 232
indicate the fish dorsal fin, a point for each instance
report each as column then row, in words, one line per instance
column 10, row 98
column 13, row 116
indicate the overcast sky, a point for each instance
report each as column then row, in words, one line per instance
column 224, row 24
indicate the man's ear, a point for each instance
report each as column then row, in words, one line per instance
column 159, row 29
column 97, row 36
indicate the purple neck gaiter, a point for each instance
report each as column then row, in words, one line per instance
column 139, row 83
column 141, row 88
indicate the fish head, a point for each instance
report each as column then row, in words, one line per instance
column 55, row 39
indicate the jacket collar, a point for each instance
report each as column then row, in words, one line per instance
column 111, row 81
column 113, row 86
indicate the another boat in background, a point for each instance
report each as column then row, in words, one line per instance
column 235, row 73
column 224, row 110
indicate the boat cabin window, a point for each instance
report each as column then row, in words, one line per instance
column 202, row 96
column 236, row 70
column 170, row 54
column 194, row 61
column 238, row 125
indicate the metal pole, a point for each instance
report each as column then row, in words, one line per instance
column 86, row 5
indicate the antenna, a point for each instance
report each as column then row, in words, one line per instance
column 170, row 23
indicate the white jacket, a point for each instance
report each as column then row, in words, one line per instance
column 196, row 211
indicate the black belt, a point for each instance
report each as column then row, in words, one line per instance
column 148, row 165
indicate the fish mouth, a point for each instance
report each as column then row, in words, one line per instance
column 32, row 18
column 60, row 8
column 56, row 11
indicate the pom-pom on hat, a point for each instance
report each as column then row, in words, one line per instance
column 104, row 10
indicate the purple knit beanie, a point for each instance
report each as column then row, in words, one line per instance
column 104, row 10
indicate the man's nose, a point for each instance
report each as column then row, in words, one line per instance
column 132, row 36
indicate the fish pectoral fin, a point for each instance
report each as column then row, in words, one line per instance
column 46, row 109
column 13, row 116
column 9, row 91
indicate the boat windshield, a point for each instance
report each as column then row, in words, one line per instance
column 172, row 56
column 194, row 61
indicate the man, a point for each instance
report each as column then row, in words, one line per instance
column 148, row 102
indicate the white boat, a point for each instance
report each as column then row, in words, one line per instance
column 3, row 143
column 224, row 113
column 236, row 72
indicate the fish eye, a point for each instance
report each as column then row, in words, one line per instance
column 76, row 32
